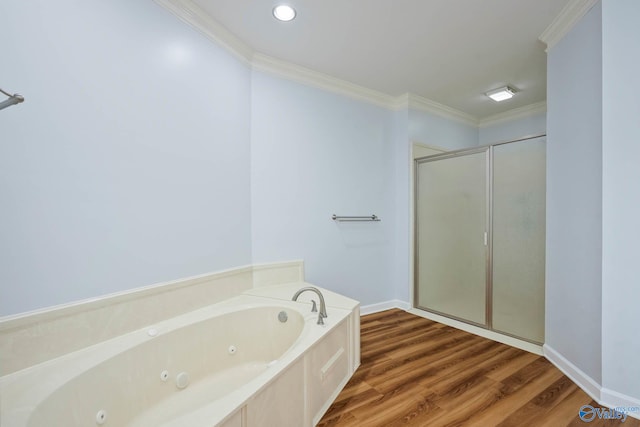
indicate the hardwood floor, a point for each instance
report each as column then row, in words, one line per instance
column 422, row 373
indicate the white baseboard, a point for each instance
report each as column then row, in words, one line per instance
column 604, row 396
column 575, row 374
column 613, row 399
column 385, row 305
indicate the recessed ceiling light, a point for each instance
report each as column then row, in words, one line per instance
column 284, row 12
column 501, row 94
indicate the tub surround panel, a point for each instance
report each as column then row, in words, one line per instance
column 273, row 274
column 31, row 339
column 327, row 368
column 34, row 337
column 282, row 403
column 235, row 420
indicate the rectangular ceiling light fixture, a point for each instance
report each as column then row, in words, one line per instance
column 501, row 94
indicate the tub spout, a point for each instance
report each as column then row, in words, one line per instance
column 323, row 308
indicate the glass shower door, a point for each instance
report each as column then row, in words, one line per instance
column 451, row 240
column 519, row 187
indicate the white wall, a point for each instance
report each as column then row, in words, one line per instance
column 532, row 125
column 402, row 207
column 593, row 204
column 314, row 154
column 128, row 163
column 574, row 196
column 141, row 147
column 621, row 197
column 430, row 129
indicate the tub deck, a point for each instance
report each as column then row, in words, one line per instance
column 122, row 375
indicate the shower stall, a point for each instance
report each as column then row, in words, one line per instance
column 480, row 236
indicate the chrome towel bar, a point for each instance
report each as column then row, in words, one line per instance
column 355, row 218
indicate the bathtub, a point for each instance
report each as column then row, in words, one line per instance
column 249, row 360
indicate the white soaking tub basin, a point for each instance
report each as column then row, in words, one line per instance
column 197, row 369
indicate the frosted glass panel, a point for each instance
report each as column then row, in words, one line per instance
column 451, row 221
column 519, row 238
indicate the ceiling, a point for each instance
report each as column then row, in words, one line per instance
column 448, row 51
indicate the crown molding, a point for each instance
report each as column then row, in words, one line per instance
column 514, row 114
column 417, row 102
column 569, row 16
column 194, row 15
column 297, row 73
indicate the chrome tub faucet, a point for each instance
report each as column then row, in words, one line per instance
column 323, row 308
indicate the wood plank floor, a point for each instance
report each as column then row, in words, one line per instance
column 417, row 372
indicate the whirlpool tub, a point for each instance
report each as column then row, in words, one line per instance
column 250, row 360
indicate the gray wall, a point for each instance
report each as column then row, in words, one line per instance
column 535, row 124
column 621, row 197
column 574, row 196
column 128, row 163
column 401, row 204
column 593, row 203
column 315, row 153
column 430, row 129
column 148, row 154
